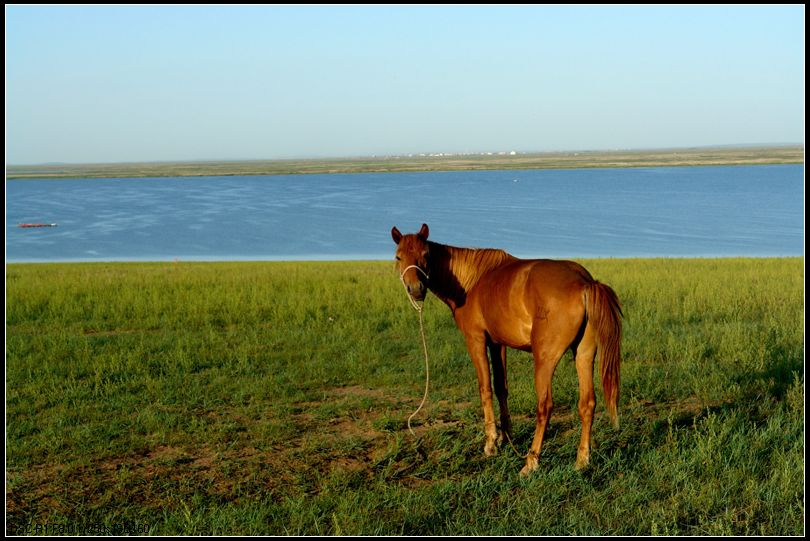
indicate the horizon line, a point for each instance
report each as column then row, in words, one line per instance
column 423, row 153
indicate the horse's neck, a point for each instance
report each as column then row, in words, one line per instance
column 455, row 271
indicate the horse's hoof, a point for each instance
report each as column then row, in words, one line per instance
column 490, row 449
column 583, row 459
column 531, row 465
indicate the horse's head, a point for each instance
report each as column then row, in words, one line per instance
column 413, row 261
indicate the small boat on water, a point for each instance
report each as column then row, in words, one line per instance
column 36, row 225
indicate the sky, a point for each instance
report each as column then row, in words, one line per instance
column 89, row 84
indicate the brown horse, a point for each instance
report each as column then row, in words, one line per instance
column 543, row 306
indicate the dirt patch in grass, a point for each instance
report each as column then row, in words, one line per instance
column 356, row 441
column 161, row 476
column 358, row 391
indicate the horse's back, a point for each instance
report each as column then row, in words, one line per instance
column 514, row 296
column 538, row 279
column 559, row 270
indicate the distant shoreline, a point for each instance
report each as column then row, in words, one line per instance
column 333, row 260
column 702, row 156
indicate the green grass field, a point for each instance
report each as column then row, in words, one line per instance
column 271, row 398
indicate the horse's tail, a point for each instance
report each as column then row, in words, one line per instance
column 605, row 314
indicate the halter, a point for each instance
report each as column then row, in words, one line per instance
column 416, row 305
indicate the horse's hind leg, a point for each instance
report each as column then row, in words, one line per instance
column 548, row 347
column 584, row 354
column 497, row 353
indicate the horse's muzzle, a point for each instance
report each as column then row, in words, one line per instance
column 417, row 291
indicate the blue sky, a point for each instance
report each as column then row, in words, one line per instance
column 113, row 84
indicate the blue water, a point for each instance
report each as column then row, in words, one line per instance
column 679, row 211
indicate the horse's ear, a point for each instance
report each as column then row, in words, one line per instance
column 424, row 232
column 396, row 235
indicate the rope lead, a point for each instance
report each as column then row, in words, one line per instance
column 418, row 307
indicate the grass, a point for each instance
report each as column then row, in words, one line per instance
column 410, row 163
column 271, row 398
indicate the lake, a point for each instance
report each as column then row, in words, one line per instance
column 668, row 211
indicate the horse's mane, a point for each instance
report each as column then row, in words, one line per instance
column 455, row 271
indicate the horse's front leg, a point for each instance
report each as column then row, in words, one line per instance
column 477, row 347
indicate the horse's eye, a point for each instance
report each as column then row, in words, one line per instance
column 397, row 258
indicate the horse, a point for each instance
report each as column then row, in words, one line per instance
column 539, row 305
